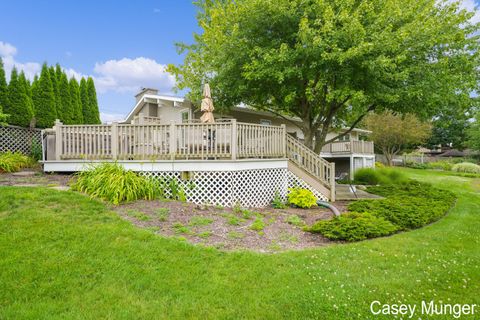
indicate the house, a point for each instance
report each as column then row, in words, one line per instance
column 246, row 156
column 350, row 153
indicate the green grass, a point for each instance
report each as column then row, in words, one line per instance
column 65, row 256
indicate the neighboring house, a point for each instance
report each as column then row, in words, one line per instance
column 349, row 153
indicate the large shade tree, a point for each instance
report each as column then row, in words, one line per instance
column 331, row 62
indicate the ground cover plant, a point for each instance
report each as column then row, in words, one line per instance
column 466, row 167
column 407, row 205
column 301, row 198
column 14, row 161
column 65, row 255
column 380, row 175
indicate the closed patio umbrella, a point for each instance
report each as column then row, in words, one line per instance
column 207, row 106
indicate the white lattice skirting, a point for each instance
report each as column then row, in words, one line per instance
column 17, row 139
column 249, row 188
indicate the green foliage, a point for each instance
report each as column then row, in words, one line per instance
column 44, row 100
column 115, row 184
column 74, row 90
column 3, row 89
column 14, row 161
column 178, row 227
column 258, row 224
column 466, row 167
column 163, row 214
column 379, row 165
column 354, row 226
column 138, row 215
column 177, row 191
column 19, row 106
column 295, row 220
column 232, row 219
column 301, row 198
column 235, row 235
column 371, row 176
column 36, row 152
column 278, row 202
column 205, row 234
column 407, row 205
column 65, row 111
column 393, row 133
column 88, row 98
column 331, row 62
column 198, row 221
column 440, row 165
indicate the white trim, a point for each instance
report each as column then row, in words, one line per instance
column 168, row 165
column 156, row 98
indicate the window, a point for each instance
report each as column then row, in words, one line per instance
column 185, row 116
column 345, row 138
column 265, row 122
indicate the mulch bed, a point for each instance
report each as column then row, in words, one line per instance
column 227, row 228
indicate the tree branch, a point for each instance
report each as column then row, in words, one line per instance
column 354, row 124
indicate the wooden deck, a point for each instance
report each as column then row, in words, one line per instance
column 231, row 140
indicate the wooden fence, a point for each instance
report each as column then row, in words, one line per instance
column 349, row 147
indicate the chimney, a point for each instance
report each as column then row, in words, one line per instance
column 145, row 91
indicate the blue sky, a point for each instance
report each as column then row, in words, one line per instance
column 123, row 44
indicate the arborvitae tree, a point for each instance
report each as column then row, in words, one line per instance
column 44, row 100
column 53, row 79
column 75, row 101
column 66, row 111
column 58, row 73
column 33, row 89
column 3, row 87
column 84, row 100
column 28, row 90
column 18, row 107
column 94, row 114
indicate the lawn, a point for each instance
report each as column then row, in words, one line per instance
column 63, row 255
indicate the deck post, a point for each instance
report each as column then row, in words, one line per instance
column 114, row 141
column 172, row 140
column 332, row 181
column 284, row 140
column 58, row 139
column 234, row 140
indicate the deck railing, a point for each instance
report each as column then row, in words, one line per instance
column 222, row 140
column 310, row 161
column 349, row 147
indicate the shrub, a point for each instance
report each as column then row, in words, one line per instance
column 379, row 165
column 14, row 161
column 354, row 226
column 258, row 224
column 295, row 220
column 440, row 165
column 466, row 167
column 302, row 198
column 277, row 202
column 408, row 206
column 113, row 183
column 373, row 176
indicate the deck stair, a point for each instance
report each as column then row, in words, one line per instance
column 311, row 167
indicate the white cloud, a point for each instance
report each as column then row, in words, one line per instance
column 7, row 53
column 128, row 75
column 6, row 49
column 110, row 117
column 156, row 10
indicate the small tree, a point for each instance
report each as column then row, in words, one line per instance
column 394, row 133
column 84, row 100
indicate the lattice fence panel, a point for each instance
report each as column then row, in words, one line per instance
column 15, row 139
column 296, row 182
column 256, row 188
column 250, row 188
